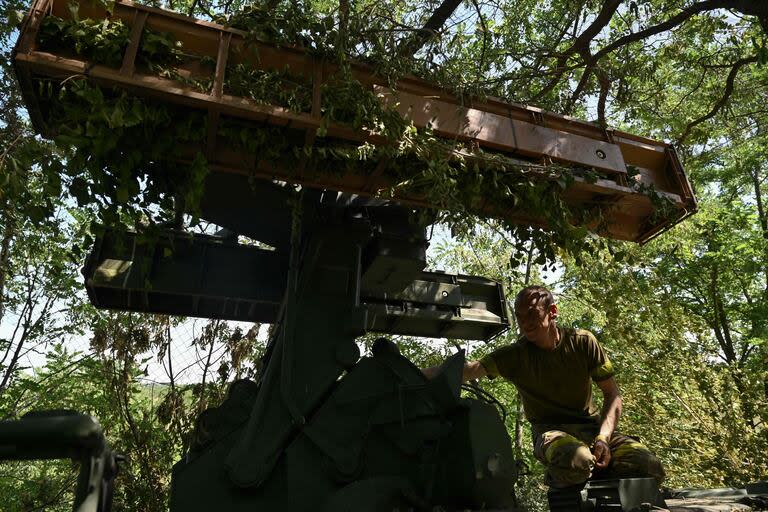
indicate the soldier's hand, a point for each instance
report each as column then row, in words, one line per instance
column 602, row 453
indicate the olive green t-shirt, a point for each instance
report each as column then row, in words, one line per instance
column 556, row 385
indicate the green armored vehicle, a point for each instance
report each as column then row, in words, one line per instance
column 322, row 428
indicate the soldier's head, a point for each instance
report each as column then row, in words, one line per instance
column 536, row 312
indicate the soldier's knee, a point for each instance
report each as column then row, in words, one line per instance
column 635, row 460
column 583, row 460
column 569, row 464
column 656, row 469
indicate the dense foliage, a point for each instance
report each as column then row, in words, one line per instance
column 684, row 318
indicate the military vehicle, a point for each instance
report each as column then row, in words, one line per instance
column 323, row 428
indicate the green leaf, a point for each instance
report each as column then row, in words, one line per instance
column 79, row 190
column 122, row 195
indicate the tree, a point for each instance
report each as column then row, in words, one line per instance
column 39, row 285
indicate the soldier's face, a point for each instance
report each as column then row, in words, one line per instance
column 534, row 318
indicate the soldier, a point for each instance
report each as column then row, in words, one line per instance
column 553, row 369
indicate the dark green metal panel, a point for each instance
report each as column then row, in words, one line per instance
column 206, row 276
column 439, row 304
column 384, row 437
column 185, row 274
column 50, row 435
column 621, row 494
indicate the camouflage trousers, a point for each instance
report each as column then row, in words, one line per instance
column 565, row 451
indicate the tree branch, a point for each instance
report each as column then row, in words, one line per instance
column 579, row 89
column 707, row 5
column 605, row 88
column 341, row 42
column 720, row 320
column 744, row 6
column 430, row 28
column 201, row 403
column 5, row 255
column 481, row 62
column 581, row 43
column 24, row 335
column 729, row 85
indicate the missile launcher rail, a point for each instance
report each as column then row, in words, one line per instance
column 625, row 164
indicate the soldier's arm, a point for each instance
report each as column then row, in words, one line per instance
column 472, row 370
column 609, row 417
column 611, row 412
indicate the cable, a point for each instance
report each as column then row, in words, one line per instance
column 487, row 397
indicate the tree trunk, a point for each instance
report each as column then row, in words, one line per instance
column 5, row 256
column 518, row 427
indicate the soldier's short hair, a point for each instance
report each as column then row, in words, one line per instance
column 534, row 293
